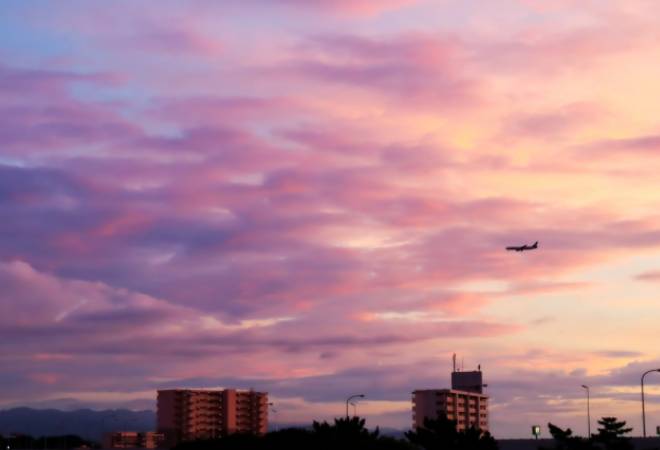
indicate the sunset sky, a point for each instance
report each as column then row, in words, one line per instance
column 312, row 198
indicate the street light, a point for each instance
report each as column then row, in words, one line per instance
column 643, row 411
column 350, row 398
column 588, row 413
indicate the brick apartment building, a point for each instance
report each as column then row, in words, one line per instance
column 189, row 414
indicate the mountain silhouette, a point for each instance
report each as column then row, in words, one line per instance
column 86, row 423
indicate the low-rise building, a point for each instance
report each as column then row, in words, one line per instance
column 133, row 439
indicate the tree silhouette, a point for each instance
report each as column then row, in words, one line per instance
column 442, row 434
column 437, row 433
column 564, row 439
column 351, row 433
column 290, row 439
column 344, row 429
column 342, row 434
column 474, row 438
column 236, row 441
column 24, row 441
column 612, row 434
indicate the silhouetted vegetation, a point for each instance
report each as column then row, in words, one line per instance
column 611, row 436
column 351, row 434
column 23, row 441
column 564, row 439
column 441, row 434
column 344, row 434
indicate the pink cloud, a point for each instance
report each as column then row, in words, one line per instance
column 45, row 378
column 555, row 50
column 429, row 70
column 47, row 117
column 645, row 145
column 653, row 275
column 351, row 7
column 44, row 82
column 180, row 41
column 49, row 300
column 75, row 329
column 550, row 287
column 211, row 110
column 555, row 124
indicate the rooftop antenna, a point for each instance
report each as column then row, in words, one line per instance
column 479, row 367
column 453, row 359
column 462, row 363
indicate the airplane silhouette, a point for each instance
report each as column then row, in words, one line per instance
column 522, row 248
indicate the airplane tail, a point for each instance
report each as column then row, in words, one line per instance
column 536, row 244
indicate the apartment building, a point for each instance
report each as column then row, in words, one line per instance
column 190, row 414
column 133, row 439
column 466, row 408
column 465, row 402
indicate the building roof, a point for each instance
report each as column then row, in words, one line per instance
column 451, row 391
column 210, row 390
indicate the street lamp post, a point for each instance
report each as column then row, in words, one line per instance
column 588, row 413
column 350, row 398
column 643, row 410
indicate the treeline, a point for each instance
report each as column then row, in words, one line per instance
column 612, row 435
column 351, row 434
column 22, row 441
column 440, row 434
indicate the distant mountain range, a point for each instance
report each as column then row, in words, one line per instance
column 91, row 424
column 86, row 423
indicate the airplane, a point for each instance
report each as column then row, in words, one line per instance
column 522, row 248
